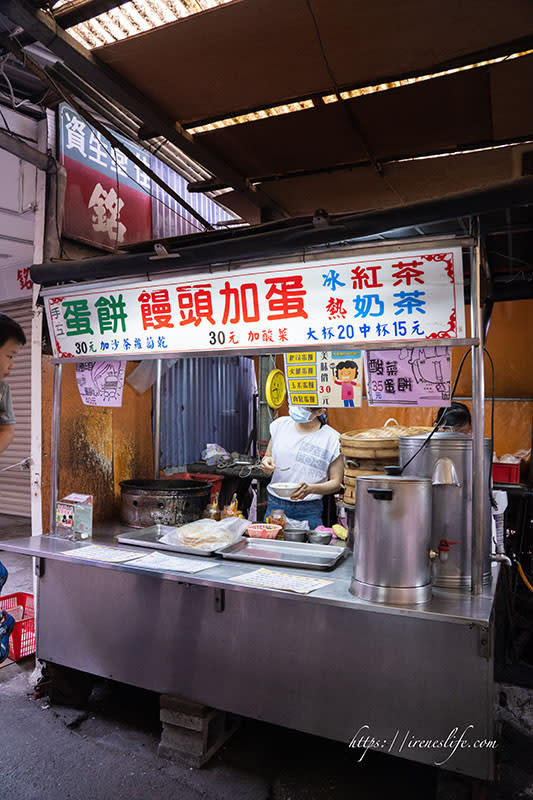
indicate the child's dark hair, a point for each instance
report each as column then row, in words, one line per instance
column 9, row 329
column 346, row 365
column 456, row 414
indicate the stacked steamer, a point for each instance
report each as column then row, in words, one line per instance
column 368, row 451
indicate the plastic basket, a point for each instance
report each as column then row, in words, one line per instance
column 22, row 641
column 263, row 530
column 503, row 472
column 214, row 480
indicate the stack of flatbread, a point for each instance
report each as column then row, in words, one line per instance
column 199, row 539
column 206, row 534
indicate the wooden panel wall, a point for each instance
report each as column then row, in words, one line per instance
column 99, row 446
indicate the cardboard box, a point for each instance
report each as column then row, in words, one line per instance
column 74, row 516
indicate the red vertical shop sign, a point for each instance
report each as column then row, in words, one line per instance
column 108, row 200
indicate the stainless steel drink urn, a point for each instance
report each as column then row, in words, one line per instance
column 392, row 540
column 452, row 501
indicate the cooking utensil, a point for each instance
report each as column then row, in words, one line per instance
column 293, row 535
column 175, row 502
column 319, row 537
column 150, row 537
column 284, row 554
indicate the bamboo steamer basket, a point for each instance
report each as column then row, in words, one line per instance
column 378, row 444
column 355, row 465
column 349, row 495
column 350, row 482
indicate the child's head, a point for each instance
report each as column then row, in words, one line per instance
column 11, row 338
column 9, row 329
column 346, row 371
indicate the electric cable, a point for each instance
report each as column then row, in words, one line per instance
column 524, row 576
column 492, row 501
column 441, row 416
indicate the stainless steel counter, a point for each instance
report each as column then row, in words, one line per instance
column 452, row 605
column 325, row 663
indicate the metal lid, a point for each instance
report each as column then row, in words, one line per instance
column 462, row 441
column 451, row 437
column 393, row 478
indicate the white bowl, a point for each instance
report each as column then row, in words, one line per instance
column 284, row 489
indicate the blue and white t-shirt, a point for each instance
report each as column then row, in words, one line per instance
column 7, row 415
column 308, row 455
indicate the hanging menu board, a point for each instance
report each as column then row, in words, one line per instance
column 319, row 378
column 333, row 304
column 418, row 376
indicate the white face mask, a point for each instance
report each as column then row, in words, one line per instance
column 300, row 414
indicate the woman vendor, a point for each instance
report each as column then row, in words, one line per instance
column 305, row 451
column 455, row 416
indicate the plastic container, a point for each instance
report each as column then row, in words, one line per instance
column 214, row 480
column 22, row 641
column 263, row 530
column 503, row 472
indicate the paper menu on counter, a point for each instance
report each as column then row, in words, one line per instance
column 171, row 563
column 280, row 580
column 96, row 552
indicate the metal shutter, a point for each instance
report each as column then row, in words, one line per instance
column 15, row 484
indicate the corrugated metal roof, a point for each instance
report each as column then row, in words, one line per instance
column 171, row 219
column 349, row 94
column 134, row 17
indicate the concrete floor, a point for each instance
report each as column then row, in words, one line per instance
column 108, row 750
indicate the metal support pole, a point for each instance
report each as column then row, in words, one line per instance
column 157, row 420
column 55, row 445
column 266, row 364
column 479, row 478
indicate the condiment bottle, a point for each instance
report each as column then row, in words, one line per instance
column 212, row 510
column 277, row 517
column 233, row 509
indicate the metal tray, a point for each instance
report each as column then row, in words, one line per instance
column 284, row 554
column 150, row 537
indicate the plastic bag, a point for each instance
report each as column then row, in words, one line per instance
column 207, row 534
column 296, row 524
column 145, row 374
column 213, row 453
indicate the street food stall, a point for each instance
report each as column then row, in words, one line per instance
column 366, row 647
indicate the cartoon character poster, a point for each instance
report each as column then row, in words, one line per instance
column 332, row 379
column 418, row 376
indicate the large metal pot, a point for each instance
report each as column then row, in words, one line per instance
column 392, row 540
column 452, row 504
column 169, row 502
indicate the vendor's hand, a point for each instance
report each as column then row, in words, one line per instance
column 268, row 465
column 301, row 491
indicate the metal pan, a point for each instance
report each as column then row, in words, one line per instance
column 150, row 537
column 284, row 554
